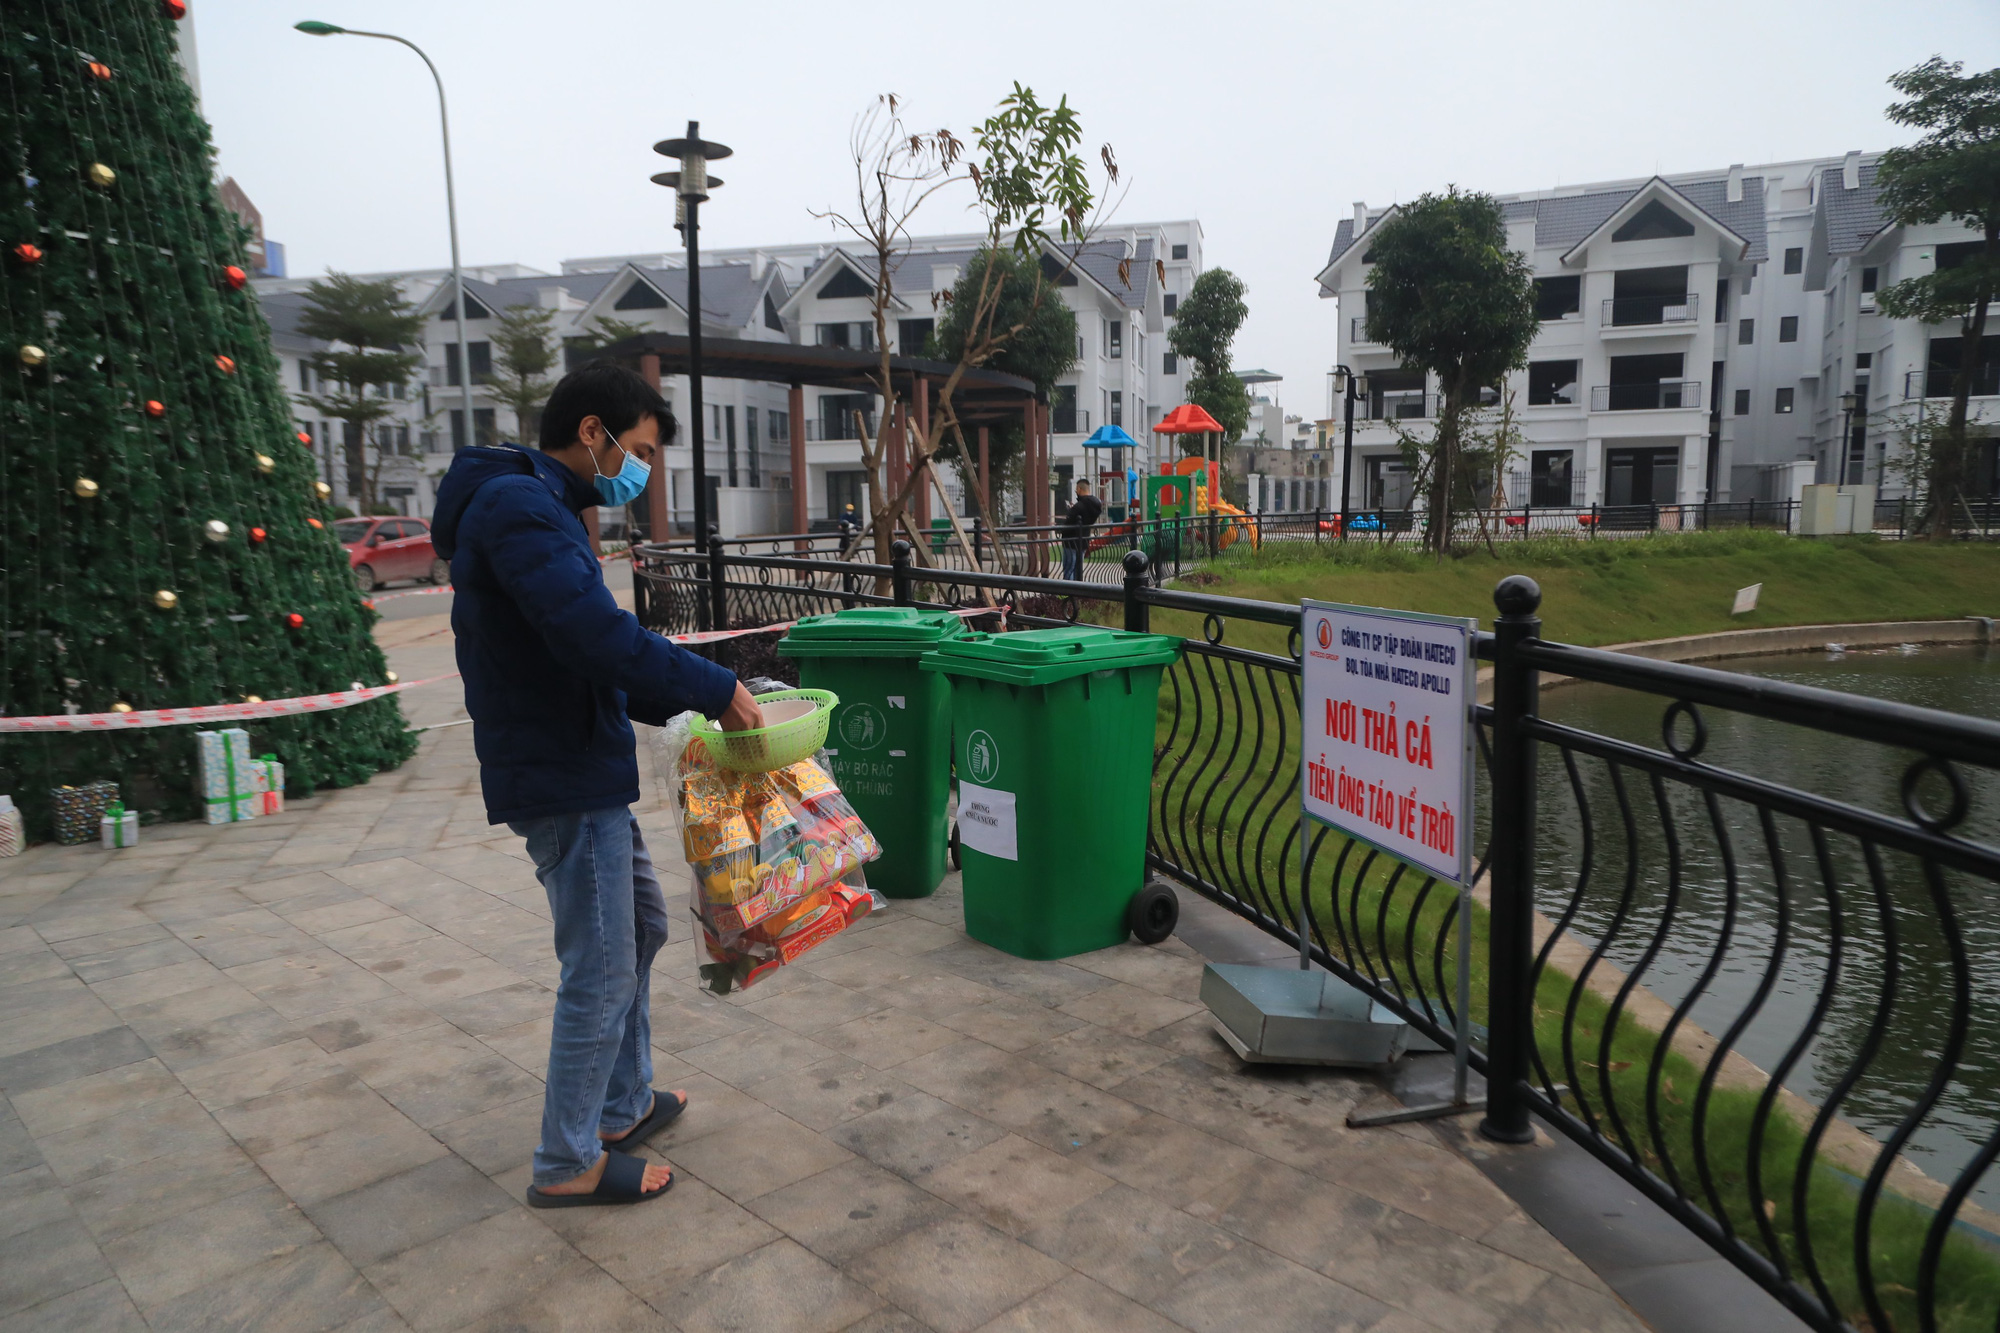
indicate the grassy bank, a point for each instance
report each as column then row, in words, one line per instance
column 1616, row 591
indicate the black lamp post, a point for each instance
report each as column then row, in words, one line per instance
column 1848, row 402
column 691, row 185
column 1347, row 386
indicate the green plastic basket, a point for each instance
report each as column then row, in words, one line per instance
column 765, row 748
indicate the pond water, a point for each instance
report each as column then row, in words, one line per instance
column 1893, row 931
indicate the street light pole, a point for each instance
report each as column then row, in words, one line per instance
column 316, row 29
column 1848, row 402
column 1349, row 386
column 691, row 185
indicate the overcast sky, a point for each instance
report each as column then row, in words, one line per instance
column 1265, row 121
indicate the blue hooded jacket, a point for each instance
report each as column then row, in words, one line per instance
column 554, row 668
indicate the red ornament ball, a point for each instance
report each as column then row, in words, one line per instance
column 100, row 71
column 305, row 439
column 174, row 9
column 155, row 408
column 28, row 253
column 225, row 365
column 258, row 534
column 316, row 524
column 235, row 277
column 295, row 620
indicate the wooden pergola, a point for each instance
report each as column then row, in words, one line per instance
column 980, row 398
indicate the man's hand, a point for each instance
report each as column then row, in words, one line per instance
column 742, row 713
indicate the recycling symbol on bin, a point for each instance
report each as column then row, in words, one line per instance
column 862, row 726
column 982, row 757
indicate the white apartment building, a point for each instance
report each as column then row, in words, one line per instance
column 810, row 293
column 1685, row 351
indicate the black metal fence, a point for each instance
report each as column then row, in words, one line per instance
column 1774, row 1011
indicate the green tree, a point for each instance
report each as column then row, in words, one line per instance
column 1204, row 328
column 524, row 352
column 1447, row 296
column 603, row 331
column 369, row 326
column 1042, row 348
column 148, row 443
column 1951, row 174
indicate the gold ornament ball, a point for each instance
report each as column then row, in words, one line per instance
column 215, row 530
column 32, row 355
column 101, row 175
column 85, row 488
column 322, row 490
column 121, row 707
column 253, row 698
column 392, row 677
column 265, row 462
column 166, row 599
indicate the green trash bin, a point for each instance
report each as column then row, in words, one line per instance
column 1054, row 748
column 890, row 739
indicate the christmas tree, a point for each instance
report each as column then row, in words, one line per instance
column 166, row 541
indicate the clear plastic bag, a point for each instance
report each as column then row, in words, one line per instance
column 774, row 859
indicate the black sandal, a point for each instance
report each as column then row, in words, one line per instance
column 622, row 1182
column 657, row 1117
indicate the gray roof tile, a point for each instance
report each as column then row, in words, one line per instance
column 1852, row 217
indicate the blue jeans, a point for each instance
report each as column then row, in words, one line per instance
column 1072, row 562
column 610, row 921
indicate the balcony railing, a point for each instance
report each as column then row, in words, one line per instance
column 1938, row 383
column 1622, row 312
column 1357, row 329
column 1410, row 406
column 818, row 428
column 1645, row 397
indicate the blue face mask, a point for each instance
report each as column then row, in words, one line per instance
column 628, row 485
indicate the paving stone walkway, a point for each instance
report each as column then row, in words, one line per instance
column 286, row 1075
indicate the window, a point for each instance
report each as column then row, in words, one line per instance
column 1650, row 296
column 1557, row 298
column 1180, row 252
column 1742, row 402
column 1549, row 477
column 729, row 436
column 771, row 317
column 1062, row 410
column 1722, row 301
column 1117, row 339
column 1550, row 383
column 481, row 356
column 1788, row 328
column 473, row 310
column 1117, row 407
column 780, row 425
column 857, row 335
column 1654, row 222
column 641, row 295
column 1795, row 259
column 750, row 439
column 1170, row 364
column 846, row 282
column 1864, row 360
column 1869, row 277
column 913, row 334
column 1951, row 256
column 1173, row 303
column 483, row 430
column 1746, row 332
column 1784, row 403
column 305, row 377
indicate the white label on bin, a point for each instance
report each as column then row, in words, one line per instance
column 896, row 701
column 986, row 820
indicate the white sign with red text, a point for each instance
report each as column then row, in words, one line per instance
column 1387, row 731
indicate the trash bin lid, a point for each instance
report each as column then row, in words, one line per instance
column 1044, row 656
column 871, row 631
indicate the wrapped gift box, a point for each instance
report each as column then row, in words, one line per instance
column 13, row 838
column 228, row 775
column 118, row 827
column 270, row 784
column 78, row 810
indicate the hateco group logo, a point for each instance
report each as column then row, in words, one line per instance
column 1325, row 632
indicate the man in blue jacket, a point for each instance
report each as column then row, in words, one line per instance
column 554, row 669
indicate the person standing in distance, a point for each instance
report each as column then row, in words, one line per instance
column 554, row 672
column 1078, row 519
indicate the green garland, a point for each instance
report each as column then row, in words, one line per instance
column 126, row 288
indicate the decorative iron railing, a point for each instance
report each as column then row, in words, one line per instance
column 1772, row 1011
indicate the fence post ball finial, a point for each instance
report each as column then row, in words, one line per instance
column 899, row 551
column 1517, row 595
column 1135, row 563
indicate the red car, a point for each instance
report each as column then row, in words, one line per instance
column 384, row 549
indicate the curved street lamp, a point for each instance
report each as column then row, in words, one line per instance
column 314, row 28
column 691, row 185
column 1348, row 386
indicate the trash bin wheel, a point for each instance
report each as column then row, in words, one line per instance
column 956, row 863
column 1153, row 913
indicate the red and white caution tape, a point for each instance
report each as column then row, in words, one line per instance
column 321, row 703
column 410, row 592
column 179, row 717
